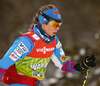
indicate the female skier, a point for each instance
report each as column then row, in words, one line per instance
column 25, row 62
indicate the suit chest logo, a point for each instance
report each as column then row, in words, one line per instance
column 44, row 49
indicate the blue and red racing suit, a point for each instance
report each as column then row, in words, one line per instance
column 28, row 57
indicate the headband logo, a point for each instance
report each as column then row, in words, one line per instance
column 56, row 12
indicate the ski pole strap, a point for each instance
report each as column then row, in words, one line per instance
column 85, row 78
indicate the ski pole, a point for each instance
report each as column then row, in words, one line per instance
column 85, row 78
column 91, row 58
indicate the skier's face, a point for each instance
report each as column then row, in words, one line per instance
column 50, row 30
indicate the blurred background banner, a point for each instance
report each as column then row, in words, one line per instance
column 79, row 34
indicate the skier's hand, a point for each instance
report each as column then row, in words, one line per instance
column 89, row 62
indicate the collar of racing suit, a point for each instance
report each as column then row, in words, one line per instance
column 39, row 31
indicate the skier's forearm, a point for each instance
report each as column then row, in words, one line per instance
column 68, row 67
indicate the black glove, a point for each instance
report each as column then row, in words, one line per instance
column 88, row 62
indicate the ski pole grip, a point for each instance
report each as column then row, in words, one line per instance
column 92, row 57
